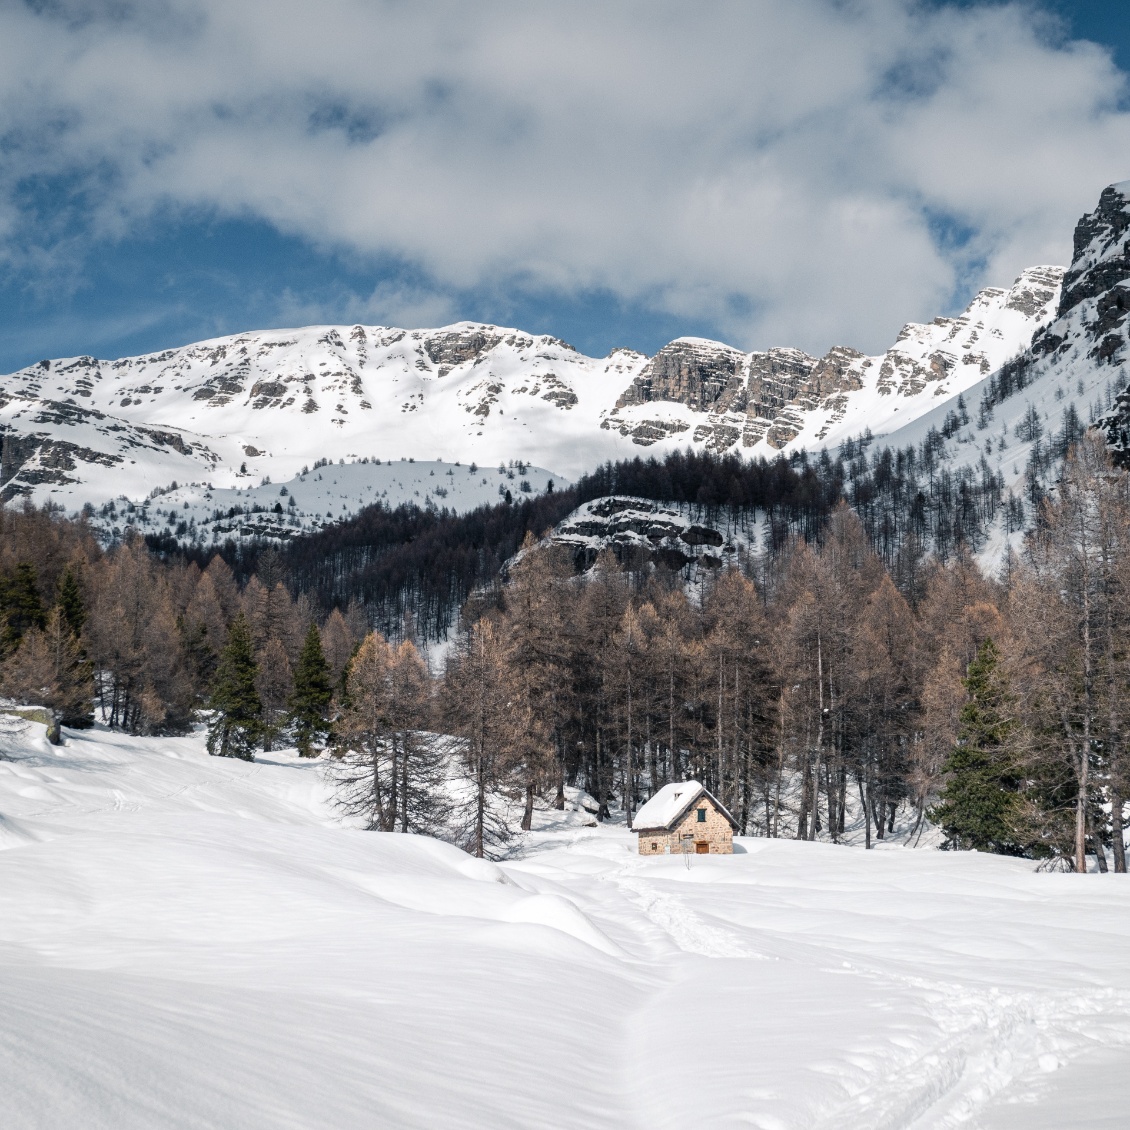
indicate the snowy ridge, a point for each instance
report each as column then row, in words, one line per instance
column 239, row 409
column 79, row 429
column 1073, row 375
column 785, row 399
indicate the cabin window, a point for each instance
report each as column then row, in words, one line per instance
column 702, row 815
column 654, row 847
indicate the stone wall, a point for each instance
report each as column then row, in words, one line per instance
column 715, row 831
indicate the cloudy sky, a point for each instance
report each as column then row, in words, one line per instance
column 803, row 172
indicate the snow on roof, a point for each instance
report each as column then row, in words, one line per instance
column 667, row 804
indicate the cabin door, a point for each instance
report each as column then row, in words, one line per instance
column 701, row 848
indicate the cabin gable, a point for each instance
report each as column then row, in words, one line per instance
column 702, row 828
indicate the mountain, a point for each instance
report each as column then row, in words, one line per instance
column 1019, row 420
column 784, row 399
column 256, row 408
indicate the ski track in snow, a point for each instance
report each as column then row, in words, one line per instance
column 186, row 941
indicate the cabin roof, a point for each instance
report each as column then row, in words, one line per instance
column 671, row 804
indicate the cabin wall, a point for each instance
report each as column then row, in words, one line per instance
column 715, row 831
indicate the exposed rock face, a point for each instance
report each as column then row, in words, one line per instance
column 1099, row 261
column 1091, row 325
column 639, row 531
column 703, row 375
column 447, row 350
column 736, row 400
column 1095, row 296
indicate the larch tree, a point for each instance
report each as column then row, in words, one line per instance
column 491, row 722
column 274, row 683
column 1077, row 561
column 48, row 669
column 533, row 631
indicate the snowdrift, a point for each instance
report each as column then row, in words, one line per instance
column 186, row 941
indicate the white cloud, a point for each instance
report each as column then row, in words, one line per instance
column 771, row 166
column 388, row 304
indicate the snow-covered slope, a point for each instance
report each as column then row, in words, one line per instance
column 318, row 497
column 1074, row 374
column 262, row 405
column 189, row 942
column 84, row 430
column 784, row 399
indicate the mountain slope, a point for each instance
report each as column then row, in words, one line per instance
column 226, row 413
column 784, row 399
column 1022, row 417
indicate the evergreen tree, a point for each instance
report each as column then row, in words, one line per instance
column 72, row 607
column 312, row 694
column 236, row 727
column 21, row 609
column 981, row 807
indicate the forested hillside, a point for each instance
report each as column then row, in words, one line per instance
column 841, row 661
column 423, row 564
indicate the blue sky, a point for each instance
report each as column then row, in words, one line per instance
column 767, row 172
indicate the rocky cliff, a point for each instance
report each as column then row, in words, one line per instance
column 724, row 398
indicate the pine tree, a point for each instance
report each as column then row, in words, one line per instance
column 70, row 610
column 236, row 727
column 72, row 607
column 981, row 806
column 312, row 695
column 20, row 608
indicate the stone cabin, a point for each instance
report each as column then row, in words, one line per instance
column 684, row 818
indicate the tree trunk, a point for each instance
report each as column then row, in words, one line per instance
column 1118, row 843
column 819, row 738
column 1088, row 691
column 559, row 800
column 404, row 783
column 866, row 814
column 393, row 787
column 480, row 804
column 528, row 811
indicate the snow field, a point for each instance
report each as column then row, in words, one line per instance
column 329, row 494
column 190, row 942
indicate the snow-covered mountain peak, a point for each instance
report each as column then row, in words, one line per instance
column 262, row 405
column 783, row 398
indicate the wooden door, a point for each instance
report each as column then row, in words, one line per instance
column 701, row 848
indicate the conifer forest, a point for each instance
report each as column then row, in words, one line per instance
column 860, row 662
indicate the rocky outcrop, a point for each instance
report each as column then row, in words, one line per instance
column 448, row 350
column 1100, row 260
column 704, row 375
column 736, row 400
column 1095, row 297
column 1091, row 324
column 642, row 532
